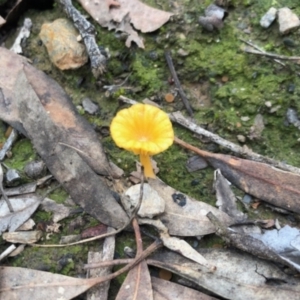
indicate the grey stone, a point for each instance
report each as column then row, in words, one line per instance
column 152, row 203
column 287, row 20
column 89, row 106
column 268, row 18
column 60, row 39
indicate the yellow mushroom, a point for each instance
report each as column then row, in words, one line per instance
column 143, row 129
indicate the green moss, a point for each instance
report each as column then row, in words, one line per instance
column 58, row 195
column 147, row 74
column 22, row 153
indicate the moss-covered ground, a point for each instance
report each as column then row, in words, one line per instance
column 223, row 84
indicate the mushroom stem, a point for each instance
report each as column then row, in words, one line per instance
column 146, row 163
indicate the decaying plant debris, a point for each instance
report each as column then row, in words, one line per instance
column 39, row 109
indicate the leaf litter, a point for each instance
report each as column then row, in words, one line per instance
column 235, row 170
column 121, row 15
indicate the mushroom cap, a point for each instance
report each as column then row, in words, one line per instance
column 143, row 129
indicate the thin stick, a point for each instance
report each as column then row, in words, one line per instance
column 154, row 246
column 272, row 55
column 242, row 151
column 3, row 193
column 135, row 223
column 88, row 32
column 261, row 50
column 177, row 83
column 103, row 264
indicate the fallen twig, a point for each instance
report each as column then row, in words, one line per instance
column 242, row 151
column 262, row 51
column 268, row 54
column 8, row 250
column 22, row 36
column 177, row 83
column 3, row 193
column 87, row 31
column 8, row 143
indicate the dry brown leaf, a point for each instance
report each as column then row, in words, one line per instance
column 189, row 219
column 142, row 16
column 27, row 284
column 280, row 188
column 122, row 15
column 37, row 106
column 166, row 290
column 238, row 276
column 24, row 206
column 108, row 250
column 137, row 284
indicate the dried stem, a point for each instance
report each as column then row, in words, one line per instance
column 177, row 83
column 154, row 246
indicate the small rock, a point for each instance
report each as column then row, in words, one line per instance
column 247, row 198
column 268, row 18
column 89, row 106
column 60, row 39
column 268, row 104
column 196, row 163
column 241, row 138
column 245, row 119
column 257, row 128
column 291, row 88
column 292, row 117
column 152, row 203
column 213, row 19
column 275, row 108
column 287, row 20
column 182, row 52
column 35, row 169
column 288, row 42
column 12, row 177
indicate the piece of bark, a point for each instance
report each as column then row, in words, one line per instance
column 238, row 276
column 166, row 290
column 37, row 106
column 107, row 254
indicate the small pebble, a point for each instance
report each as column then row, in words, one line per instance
column 291, row 88
column 224, row 78
column 287, row 20
column 268, row 18
column 35, row 169
column 182, row 52
column 245, row 119
column 241, row 138
column 195, row 163
column 247, row 199
column 12, row 177
column 275, row 108
column 180, row 199
column 268, row 103
column 89, row 106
